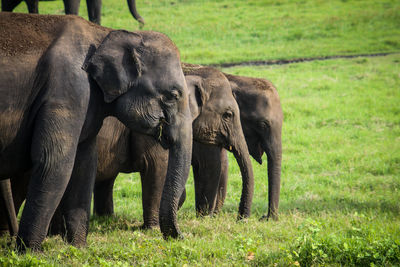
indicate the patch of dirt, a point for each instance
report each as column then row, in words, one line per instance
column 21, row 33
column 296, row 60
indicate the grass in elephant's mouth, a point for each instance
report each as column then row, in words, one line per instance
column 340, row 185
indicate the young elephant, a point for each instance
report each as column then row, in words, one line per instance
column 60, row 77
column 261, row 117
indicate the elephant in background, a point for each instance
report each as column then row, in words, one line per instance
column 72, row 7
column 55, row 91
column 261, row 118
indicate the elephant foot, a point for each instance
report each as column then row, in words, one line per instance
column 148, row 226
column 173, row 233
column 22, row 246
column 268, row 217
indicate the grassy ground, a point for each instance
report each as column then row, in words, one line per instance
column 233, row 31
column 341, row 140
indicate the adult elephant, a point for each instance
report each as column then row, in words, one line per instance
column 72, row 7
column 261, row 118
column 60, row 77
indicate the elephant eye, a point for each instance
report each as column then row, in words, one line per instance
column 173, row 95
column 264, row 125
column 227, row 115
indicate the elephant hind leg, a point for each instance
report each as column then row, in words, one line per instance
column 33, row 6
column 103, row 197
column 94, row 10
column 9, row 5
column 78, row 195
column 72, row 7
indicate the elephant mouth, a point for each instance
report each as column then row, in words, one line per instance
column 162, row 135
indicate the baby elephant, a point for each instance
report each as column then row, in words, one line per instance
column 261, row 119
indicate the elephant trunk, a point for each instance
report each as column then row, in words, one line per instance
column 135, row 14
column 273, row 149
column 180, row 154
column 241, row 153
column 5, row 186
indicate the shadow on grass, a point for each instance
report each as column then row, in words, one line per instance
column 331, row 205
column 103, row 224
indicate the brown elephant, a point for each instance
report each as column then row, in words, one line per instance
column 60, row 77
column 261, row 118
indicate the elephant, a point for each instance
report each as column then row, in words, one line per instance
column 261, row 117
column 216, row 123
column 72, row 7
column 61, row 76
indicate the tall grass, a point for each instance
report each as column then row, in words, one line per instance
column 234, row 31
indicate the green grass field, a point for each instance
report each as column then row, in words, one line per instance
column 341, row 140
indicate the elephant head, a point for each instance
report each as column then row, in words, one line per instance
column 142, row 81
column 261, row 117
column 217, row 122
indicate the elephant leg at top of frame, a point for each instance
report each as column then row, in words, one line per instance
column 9, row 5
column 206, row 172
column 33, row 6
column 94, row 10
column 223, row 181
column 77, row 198
column 72, row 6
column 103, row 197
column 51, row 170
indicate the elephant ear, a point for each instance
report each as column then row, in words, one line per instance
column 234, row 87
column 116, row 64
column 197, row 94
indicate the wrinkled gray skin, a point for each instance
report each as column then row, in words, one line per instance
column 72, row 7
column 261, row 117
column 216, row 124
column 55, row 91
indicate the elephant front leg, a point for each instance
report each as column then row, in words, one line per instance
column 77, row 198
column 206, row 161
column 103, row 197
column 153, row 179
column 53, row 152
column 223, row 181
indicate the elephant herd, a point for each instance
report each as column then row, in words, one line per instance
column 80, row 103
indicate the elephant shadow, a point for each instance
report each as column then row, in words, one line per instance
column 106, row 224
